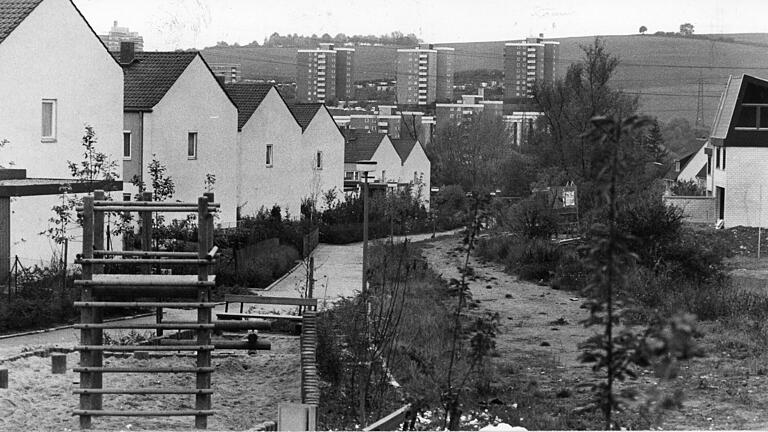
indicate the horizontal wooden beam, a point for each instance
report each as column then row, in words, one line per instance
column 156, row 208
column 235, row 316
column 142, row 391
column 140, row 204
column 144, row 348
column 163, row 325
column 162, row 261
column 143, row 369
column 242, row 325
column 256, row 299
column 45, row 186
column 392, row 421
column 145, row 253
column 224, row 344
column 135, row 413
column 137, row 304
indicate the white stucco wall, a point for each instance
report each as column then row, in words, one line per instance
column 53, row 54
column 196, row 103
column 284, row 183
column 388, row 160
column 323, row 135
column 695, row 164
column 745, row 177
column 418, row 162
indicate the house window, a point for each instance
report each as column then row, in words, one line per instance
column 49, row 120
column 319, row 160
column 709, row 164
column 126, row 145
column 717, row 158
column 192, row 145
column 126, row 197
column 269, row 155
column 723, row 157
column 383, row 175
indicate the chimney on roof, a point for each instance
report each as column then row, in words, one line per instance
column 127, row 53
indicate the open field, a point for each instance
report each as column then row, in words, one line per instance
column 247, row 389
column 665, row 70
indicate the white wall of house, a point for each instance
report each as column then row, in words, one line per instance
column 53, row 54
column 744, row 179
column 417, row 169
column 322, row 135
column 196, row 103
column 282, row 183
column 694, row 165
column 388, row 163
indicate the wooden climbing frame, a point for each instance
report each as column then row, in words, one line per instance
column 101, row 291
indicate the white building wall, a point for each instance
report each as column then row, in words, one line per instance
column 323, row 135
column 388, row 164
column 417, row 162
column 695, row 164
column 284, row 182
column 53, row 54
column 745, row 180
column 196, row 103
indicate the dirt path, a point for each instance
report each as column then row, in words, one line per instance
column 537, row 345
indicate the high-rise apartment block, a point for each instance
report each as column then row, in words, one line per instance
column 324, row 74
column 527, row 63
column 229, row 71
column 424, row 75
column 121, row 34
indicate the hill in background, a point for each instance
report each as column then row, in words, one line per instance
column 663, row 70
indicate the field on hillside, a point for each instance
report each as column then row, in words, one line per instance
column 664, row 70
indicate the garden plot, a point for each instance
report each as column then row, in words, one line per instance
column 247, row 390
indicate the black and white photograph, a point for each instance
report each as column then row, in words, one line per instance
column 324, row 215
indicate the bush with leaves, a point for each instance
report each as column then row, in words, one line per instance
column 688, row 188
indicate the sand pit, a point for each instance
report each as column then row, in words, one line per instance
column 247, row 390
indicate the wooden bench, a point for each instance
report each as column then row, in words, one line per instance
column 309, row 303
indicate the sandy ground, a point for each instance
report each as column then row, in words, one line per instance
column 247, row 389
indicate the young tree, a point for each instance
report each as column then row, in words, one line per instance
column 686, row 29
column 643, row 29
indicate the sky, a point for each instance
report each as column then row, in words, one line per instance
column 174, row 24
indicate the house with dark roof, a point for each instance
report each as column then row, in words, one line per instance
column 270, row 151
column 323, row 146
column 739, row 137
column 56, row 76
column 415, row 167
column 373, row 147
column 178, row 113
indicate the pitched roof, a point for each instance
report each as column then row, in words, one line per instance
column 404, row 146
column 12, row 13
column 362, row 147
column 304, row 113
column 726, row 107
column 149, row 77
column 247, row 98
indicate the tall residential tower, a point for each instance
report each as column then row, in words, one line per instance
column 424, row 75
column 526, row 64
column 324, row 74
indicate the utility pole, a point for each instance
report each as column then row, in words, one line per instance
column 700, row 102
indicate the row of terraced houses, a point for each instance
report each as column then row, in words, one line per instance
column 165, row 106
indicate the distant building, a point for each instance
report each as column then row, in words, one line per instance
column 527, row 63
column 121, row 34
column 424, row 75
column 230, row 71
column 520, row 125
column 388, row 121
column 447, row 114
column 324, row 74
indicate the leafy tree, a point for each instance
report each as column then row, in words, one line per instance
column 471, row 154
column 643, row 29
column 686, row 29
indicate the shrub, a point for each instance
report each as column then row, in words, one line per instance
column 533, row 218
column 262, row 270
column 570, row 272
column 654, row 227
column 538, row 260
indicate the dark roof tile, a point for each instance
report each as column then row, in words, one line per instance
column 404, row 147
column 149, row 77
column 247, row 97
column 12, row 13
column 304, row 113
column 362, row 147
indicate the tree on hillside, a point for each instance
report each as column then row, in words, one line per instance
column 643, row 29
column 686, row 29
column 680, row 136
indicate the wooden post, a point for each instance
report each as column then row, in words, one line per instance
column 146, row 231
column 58, row 363
column 97, row 335
column 204, row 224
column 86, row 313
column 3, row 378
column 311, row 290
column 5, row 240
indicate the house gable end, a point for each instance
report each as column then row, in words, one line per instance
column 748, row 122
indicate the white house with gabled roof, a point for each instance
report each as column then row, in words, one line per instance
column 56, row 76
column 416, row 168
